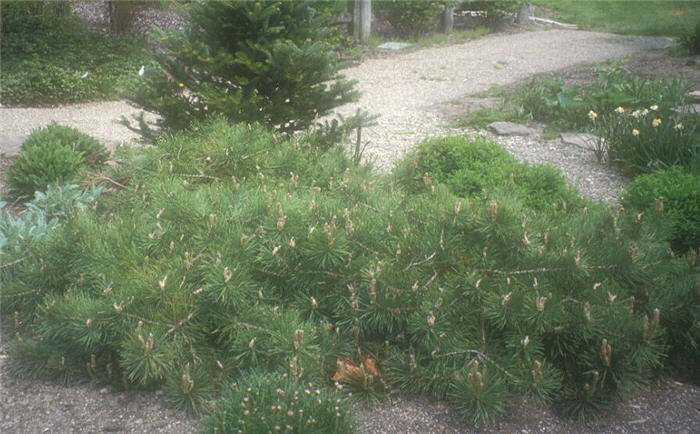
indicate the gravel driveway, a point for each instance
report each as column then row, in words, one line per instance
column 408, row 91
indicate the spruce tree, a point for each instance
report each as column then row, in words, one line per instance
column 264, row 61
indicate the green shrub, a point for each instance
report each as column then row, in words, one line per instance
column 472, row 167
column 410, row 18
column 40, row 165
column 495, row 9
column 690, row 41
column 672, row 192
column 94, row 153
column 233, row 251
column 249, row 61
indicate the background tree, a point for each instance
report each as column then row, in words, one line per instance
column 265, row 61
column 121, row 14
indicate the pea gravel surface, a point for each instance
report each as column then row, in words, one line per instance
column 410, row 92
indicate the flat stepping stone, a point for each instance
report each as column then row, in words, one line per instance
column 394, row 46
column 10, row 146
column 694, row 97
column 688, row 109
column 582, row 140
column 509, row 129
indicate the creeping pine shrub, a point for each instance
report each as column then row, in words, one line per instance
column 232, row 251
column 475, row 166
column 674, row 193
column 38, row 166
column 43, row 214
column 93, row 152
column 272, row 402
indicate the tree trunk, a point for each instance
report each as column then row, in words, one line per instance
column 356, row 16
column 448, row 19
column 121, row 15
column 365, row 19
column 524, row 15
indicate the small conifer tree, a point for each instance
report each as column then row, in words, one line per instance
column 264, row 61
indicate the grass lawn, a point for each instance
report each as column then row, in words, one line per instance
column 658, row 18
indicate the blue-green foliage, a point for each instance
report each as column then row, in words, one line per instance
column 42, row 214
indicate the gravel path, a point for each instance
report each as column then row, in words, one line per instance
column 409, row 91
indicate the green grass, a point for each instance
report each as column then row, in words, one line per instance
column 654, row 18
column 480, row 118
column 436, row 38
column 456, row 37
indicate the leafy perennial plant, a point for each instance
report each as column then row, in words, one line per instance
column 643, row 140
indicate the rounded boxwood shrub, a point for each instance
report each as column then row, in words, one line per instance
column 40, row 165
column 472, row 166
column 675, row 193
column 93, row 152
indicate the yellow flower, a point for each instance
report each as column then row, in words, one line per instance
column 181, row 84
column 592, row 115
column 656, row 122
column 678, row 126
column 654, row 107
column 635, row 132
column 620, row 110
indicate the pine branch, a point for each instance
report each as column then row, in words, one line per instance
column 432, row 278
column 181, row 323
column 427, row 259
column 482, row 356
column 15, row 262
column 540, row 270
column 110, row 180
column 188, row 175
